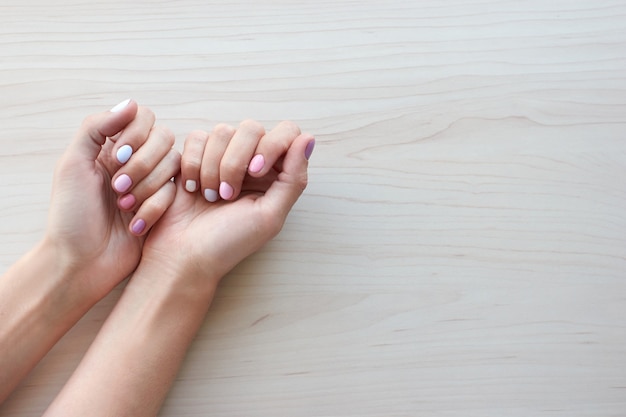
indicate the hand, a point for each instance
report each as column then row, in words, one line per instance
column 248, row 182
column 259, row 177
column 109, row 188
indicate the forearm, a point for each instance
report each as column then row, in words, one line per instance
column 39, row 303
column 133, row 361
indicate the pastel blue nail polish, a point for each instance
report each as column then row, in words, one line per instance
column 124, row 153
column 211, row 195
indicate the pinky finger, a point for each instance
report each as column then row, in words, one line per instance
column 152, row 209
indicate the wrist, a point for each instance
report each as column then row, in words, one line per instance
column 176, row 276
column 143, row 342
column 63, row 284
column 39, row 302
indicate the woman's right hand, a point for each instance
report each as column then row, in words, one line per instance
column 235, row 191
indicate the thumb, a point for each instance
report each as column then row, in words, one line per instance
column 96, row 128
column 292, row 180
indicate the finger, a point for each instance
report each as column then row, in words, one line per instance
column 213, row 152
column 158, row 144
column 192, row 159
column 272, row 147
column 167, row 168
column 234, row 163
column 152, row 209
column 95, row 129
column 133, row 136
column 291, row 181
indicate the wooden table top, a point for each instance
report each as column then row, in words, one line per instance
column 461, row 247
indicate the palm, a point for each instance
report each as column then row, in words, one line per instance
column 219, row 235
column 97, row 236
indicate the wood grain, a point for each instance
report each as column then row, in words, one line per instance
column 461, row 247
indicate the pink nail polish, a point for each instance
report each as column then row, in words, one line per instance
column 257, row 163
column 138, row 226
column 122, row 183
column 226, row 191
column 127, row 202
column 309, row 149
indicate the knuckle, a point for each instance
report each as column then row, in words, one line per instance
column 166, row 134
column 223, row 130
column 91, row 126
column 190, row 164
column 302, row 181
column 89, row 121
column 142, row 164
column 253, row 126
column 197, row 136
column 192, row 160
column 292, row 128
column 175, row 158
column 157, row 192
column 154, row 205
column 230, row 167
column 209, row 175
column 146, row 112
column 303, row 185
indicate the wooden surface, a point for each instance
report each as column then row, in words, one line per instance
column 461, row 248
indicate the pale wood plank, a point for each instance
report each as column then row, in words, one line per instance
column 461, row 247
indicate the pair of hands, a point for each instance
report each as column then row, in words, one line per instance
column 232, row 192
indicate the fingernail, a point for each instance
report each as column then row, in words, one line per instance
column 124, row 153
column 257, row 163
column 127, row 202
column 211, row 195
column 226, row 191
column 119, row 107
column 122, row 183
column 190, row 185
column 138, row 226
column 309, row 149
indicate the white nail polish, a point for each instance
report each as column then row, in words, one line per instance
column 119, row 107
column 124, row 153
column 190, row 185
column 211, row 195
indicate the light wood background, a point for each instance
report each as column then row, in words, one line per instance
column 461, row 248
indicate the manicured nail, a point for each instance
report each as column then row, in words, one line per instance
column 124, row 153
column 119, row 107
column 211, row 195
column 122, row 183
column 226, row 191
column 257, row 163
column 190, row 185
column 127, row 202
column 309, row 149
column 138, row 226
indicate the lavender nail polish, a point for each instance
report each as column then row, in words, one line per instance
column 309, row 149
column 138, row 226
